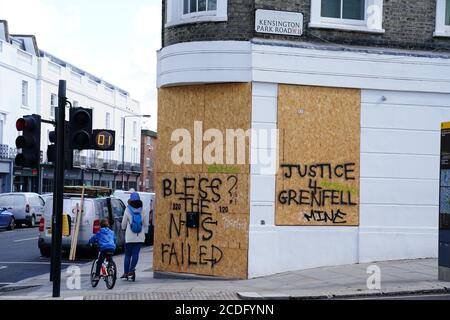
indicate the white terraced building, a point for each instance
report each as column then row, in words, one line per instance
column 29, row 85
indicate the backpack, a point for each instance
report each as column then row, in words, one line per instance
column 136, row 222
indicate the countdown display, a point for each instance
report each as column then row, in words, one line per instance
column 104, row 140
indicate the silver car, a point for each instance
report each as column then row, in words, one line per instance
column 95, row 209
column 27, row 208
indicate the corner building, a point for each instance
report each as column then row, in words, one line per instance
column 355, row 96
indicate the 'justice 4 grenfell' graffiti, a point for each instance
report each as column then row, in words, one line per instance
column 323, row 197
column 195, row 204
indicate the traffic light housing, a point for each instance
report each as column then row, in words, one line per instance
column 68, row 152
column 29, row 142
column 80, row 127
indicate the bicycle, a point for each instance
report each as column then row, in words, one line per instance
column 108, row 272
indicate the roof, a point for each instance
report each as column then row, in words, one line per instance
column 82, row 72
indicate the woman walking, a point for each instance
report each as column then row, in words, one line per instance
column 135, row 223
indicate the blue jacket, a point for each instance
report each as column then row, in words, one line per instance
column 106, row 239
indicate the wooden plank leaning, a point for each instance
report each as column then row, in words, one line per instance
column 78, row 219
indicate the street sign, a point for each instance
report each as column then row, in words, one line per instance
column 279, row 22
column 104, row 140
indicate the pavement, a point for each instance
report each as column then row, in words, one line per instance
column 408, row 277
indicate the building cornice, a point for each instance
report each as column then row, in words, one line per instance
column 303, row 64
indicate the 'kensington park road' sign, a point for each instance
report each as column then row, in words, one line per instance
column 279, row 22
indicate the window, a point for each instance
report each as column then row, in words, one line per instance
column 19, row 43
column 351, row 15
column 2, row 125
column 149, row 141
column 343, row 9
column 148, row 163
column 193, row 11
column 53, row 105
column 25, row 93
column 134, row 130
column 192, row 6
column 442, row 18
column 108, row 121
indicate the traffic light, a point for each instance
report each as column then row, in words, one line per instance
column 80, row 128
column 68, row 152
column 29, row 142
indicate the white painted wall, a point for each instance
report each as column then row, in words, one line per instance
column 16, row 66
column 400, row 147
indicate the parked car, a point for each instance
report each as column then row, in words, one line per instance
column 46, row 196
column 7, row 220
column 148, row 201
column 27, row 208
column 95, row 209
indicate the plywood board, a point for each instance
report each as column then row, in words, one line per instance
column 319, row 175
column 218, row 193
column 179, row 108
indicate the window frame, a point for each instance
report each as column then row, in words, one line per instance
column 175, row 14
column 135, row 130
column 198, row 13
column 25, row 94
column 108, row 120
column 442, row 29
column 317, row 21
column 53, row 106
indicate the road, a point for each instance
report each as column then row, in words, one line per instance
column 20, row 257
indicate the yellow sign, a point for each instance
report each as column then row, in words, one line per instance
column 66, row 227
column 445, row 125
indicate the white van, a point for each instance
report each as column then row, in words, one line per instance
column 148, row 201
column 94, row 210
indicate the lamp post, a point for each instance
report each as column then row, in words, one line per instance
column 123, row 144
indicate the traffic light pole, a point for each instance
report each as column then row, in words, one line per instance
column 58, row 198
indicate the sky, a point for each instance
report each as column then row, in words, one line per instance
column 115, row 40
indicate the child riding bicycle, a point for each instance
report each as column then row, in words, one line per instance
column 106, row 241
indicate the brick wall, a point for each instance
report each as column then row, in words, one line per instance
column 148, row 173
column 408, row 25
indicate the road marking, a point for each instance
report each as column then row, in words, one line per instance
column 3, row 267
column 28, row 239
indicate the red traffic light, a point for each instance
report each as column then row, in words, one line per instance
column 27, row 123
column 21, row 124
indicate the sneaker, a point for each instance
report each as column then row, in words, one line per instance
column 124, row 276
